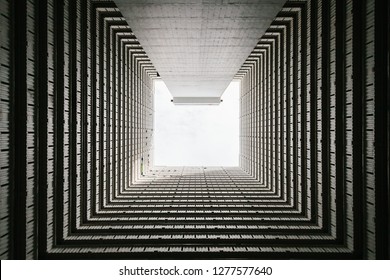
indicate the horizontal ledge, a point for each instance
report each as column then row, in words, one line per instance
column 196, row 100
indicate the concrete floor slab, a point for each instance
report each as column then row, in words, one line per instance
column 198, row 46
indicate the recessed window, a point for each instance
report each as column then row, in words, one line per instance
column 196, row 135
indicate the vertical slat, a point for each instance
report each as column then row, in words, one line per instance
column 66, row 150
column 19, row 127
column 332, row 179
column 358, row 66
column 58, row 117
column 369, row 128
column 79, row 95
column 277, row 115
column 95, row 144
column 73, row 66
column 283, row 108
column 114, row 112
column 5, row 130
column 84, row 91
column 313, row 106
column 347, row 216
column 119, row 113
column 340, row 117
column 382, row 137
column 295, row 97
column 102, row 105
column 88, row 108
column 31, row 167
column 42, row 117
column 108, row 106
column 288, row 94
column 325, row 102
column 50, row 123
column 304, row 107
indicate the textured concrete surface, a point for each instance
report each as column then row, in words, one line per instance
column 197, row 46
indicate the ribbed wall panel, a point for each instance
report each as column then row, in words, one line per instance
column 369, row 128
column 318, row 115
column 348, row 152
column 31, row 135
column 50, row 123
column 67, row 127
column 78, row 121
column 88, row 122
column 307, row 102
column 332, row 119
column 84, row 117
column 313, row 120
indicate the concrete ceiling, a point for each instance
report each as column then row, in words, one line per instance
column 197, row 46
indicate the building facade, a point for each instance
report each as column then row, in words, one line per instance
column 77, row 174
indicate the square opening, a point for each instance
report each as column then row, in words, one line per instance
column 196, row 135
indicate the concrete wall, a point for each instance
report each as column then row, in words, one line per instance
column 77, row 118
column 76, row 128
column 313, row 118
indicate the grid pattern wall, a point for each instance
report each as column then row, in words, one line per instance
column 76, row 132
column 307, row 115
column 77, row 113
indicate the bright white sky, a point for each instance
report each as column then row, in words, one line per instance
column 196, row 135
